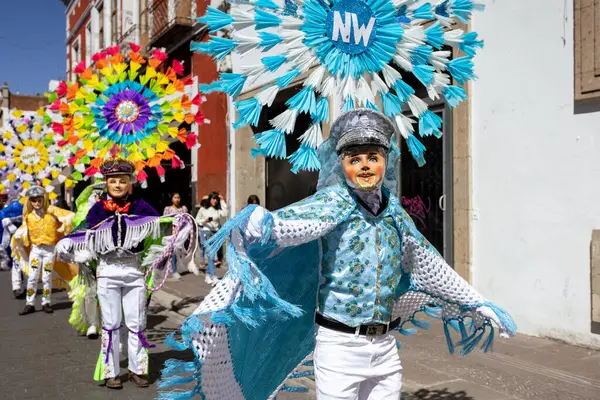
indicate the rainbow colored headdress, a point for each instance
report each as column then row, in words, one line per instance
column 30, row 153
column 129, row 107
column 354, row 49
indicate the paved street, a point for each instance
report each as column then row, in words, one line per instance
column 43, row 358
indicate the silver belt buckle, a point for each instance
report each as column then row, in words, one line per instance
column 375, row 330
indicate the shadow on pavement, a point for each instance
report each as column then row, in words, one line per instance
column 436, row 394
column 157, row 361
column 185, row 302
column 62, row 306
column 154, row 320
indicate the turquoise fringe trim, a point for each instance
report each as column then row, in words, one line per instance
column 215, row 243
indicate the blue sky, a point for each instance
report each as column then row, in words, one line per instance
column 32, row 44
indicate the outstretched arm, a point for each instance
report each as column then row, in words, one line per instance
column 432, row 275
column 300, row 222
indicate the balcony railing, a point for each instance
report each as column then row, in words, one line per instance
column 169, row 20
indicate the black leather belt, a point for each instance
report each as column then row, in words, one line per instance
column 371, row 330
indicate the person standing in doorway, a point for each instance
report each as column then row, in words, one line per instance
column 209, row 219
column 175, row 208
column 253, row 199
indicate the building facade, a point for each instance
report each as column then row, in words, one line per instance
column 93, row 25
column 510, row 194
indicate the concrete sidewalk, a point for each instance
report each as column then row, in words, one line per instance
column 521, row 368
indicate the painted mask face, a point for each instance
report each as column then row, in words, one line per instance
column 37, row 202
column 364, row 167
column 118, row 186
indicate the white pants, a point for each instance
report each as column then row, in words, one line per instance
column 4, row 259
column 16, row 276
column 351, row 367
column 40, row 258
column 90, row 304
column 121, row 292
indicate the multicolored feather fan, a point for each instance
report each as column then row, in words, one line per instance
column 30, row 154
column 126, row 106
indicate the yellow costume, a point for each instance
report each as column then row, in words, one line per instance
column 41, row 233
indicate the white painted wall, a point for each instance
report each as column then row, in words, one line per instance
column 536, row 170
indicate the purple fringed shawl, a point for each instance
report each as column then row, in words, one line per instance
column 98, row 218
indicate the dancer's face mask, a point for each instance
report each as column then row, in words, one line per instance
column 364, row 167
column 118, row 186
column 37, row 202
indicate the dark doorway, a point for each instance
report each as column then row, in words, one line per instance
column 283, row 187
column 426, row 192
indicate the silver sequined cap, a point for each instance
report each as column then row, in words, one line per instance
column 362, row 126
column 35, row 191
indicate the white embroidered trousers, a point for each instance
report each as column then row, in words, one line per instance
column 40, row 258
column 121, row 293
column 351, row 367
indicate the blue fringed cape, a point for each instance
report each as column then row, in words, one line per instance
column 255, row 330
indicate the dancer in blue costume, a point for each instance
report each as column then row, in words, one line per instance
column 336, row 273
column 11, row 218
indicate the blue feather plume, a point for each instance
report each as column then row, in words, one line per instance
column 249, row 111
column 424, row 73
column 434, row 35
column 392, row 105
column 284, row 80
column 215, row 19
column 321, row 113
column 430, row 124
column 271, row 144
column 470, row 44
column 304, row 101
column 232, row 84
column 348, row 104
column 421, row 54
column 269, row 40
column 461, row 69
column 270, row 4
column 454, row 95
column 218, row 47
column 416, row 149
column 305, row 159
column 263, row 19
column 423, row 12
column 273, row 62
column 403, row 90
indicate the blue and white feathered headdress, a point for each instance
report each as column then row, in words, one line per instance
column 351, row 48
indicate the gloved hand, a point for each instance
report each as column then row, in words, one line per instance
column 63, row 247
column 12, row 229
column 253, row 230
column 490, row 314
column 83, row 257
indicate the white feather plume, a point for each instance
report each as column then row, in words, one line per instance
column 267, row 96
column 405, row 125
column 378, row 85
column 313, row 137
column 285, row 121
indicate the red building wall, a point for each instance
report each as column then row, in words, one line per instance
column 212, row 154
